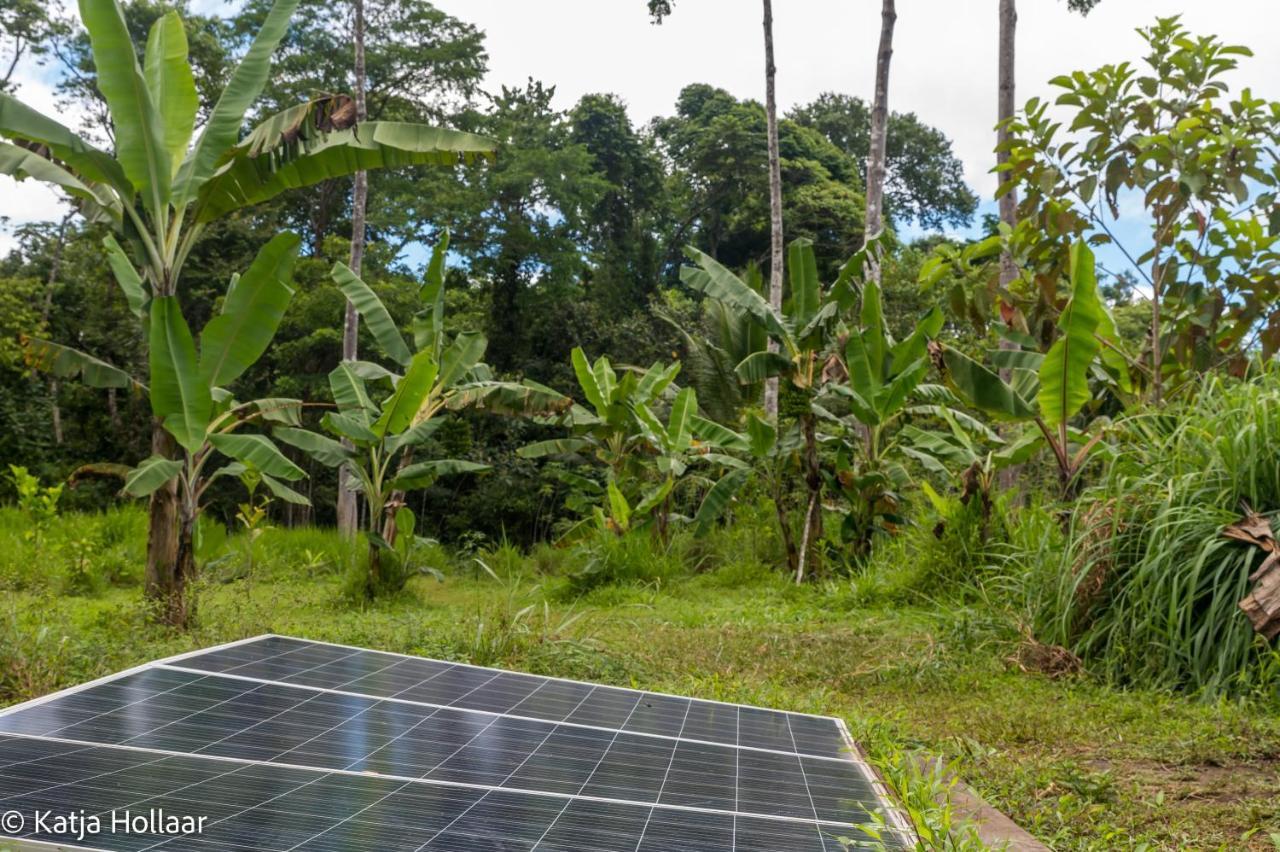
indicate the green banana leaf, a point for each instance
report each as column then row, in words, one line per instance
column 20, row 122
column 179, row 397
column 246, row 180
column 284, row 492
column 135, row 293
column 350, row 393
column 21, row 163
column 1064, row 375
column 423, row 474
column 587, row 380
column 171, row 85
column 374, row 313
column 554, row 447
column 399, row 411
column 718, row 499
column 234, row 340
column 258, row 452
column 983, row 389
column 806, row 292
column 68, row 363
column 461, row 356
column 327, row 451
column 145, row 479
column 713, row 279
column 139, row 143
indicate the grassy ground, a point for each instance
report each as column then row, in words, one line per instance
column 1078, row 764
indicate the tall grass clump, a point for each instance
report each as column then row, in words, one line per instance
column 1146, row 589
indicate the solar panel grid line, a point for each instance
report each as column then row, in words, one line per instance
column 476, row 804
column 737, row 768
column 206, row 710
column 115, row 678
column 506, row 709
column 170, row 794
column 627, row 798
column 808, row 790
column 334, row 691
column 511, row 775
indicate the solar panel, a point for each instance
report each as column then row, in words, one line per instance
column 285, row 744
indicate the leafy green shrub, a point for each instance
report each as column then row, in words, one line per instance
column 1146, row 590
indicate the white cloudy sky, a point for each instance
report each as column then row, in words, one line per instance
column 943, row 69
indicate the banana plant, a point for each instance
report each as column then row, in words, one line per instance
column 880, row 379
column 165, row 184
column 189, row 399
column 1046, row 391
column 805, row 335
column 433, row 375
column 606, row 432
column 645, row 460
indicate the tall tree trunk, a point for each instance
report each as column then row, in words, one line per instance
column 348, row 516
column 775, row 195
column 1009, row 200
column 880, row 128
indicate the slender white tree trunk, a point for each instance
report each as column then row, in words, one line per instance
column 1009, row 200
column 775, row 195
column 880, row 128
column 348, row 514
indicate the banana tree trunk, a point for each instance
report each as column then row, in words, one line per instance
column 180, row 610
column 161, row 579
column 813, row 484
column 784, row 526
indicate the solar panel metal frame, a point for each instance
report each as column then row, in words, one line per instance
column 852, row 755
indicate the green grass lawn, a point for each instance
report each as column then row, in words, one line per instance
column 1080, row 765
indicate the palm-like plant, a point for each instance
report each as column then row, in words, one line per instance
column 806, row 335
column 439, row 375
column 165, row 184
